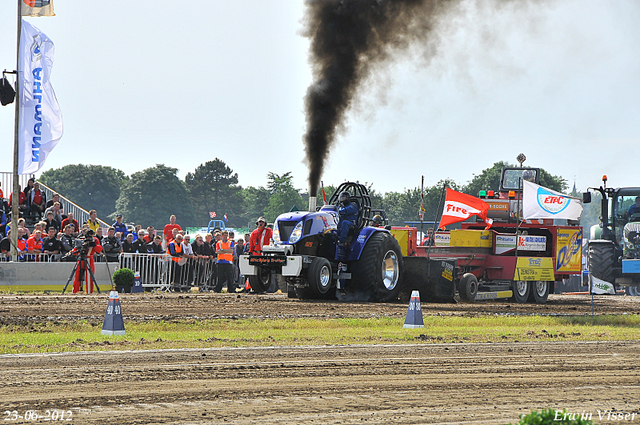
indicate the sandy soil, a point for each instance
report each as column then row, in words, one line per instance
column 432, row 383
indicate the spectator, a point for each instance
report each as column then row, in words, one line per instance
column 36, row 201
column 247, row 243
column 168, row 229
column 51, row 244
column 70, row 220
column 120, row 227
column 93, row 221
column 23, row 207
column 188, row 253
column 22, row 224
column 127, row 245
column 428, row 238
column 155, row 247
column 236, row 262
column 51, row 223
column 139, row 244
column 57, row 212
column 55, row 198
column 176, row 250
column 5, row 244
column 174, row 233
column 34, row 243
column 210, row 251
column 149, row 235
column 224, row 250
column 67, row 240
column 111, row 245
column 30, row 185
column 260, row 237
column 136, row 230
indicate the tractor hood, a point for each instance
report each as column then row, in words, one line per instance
column 289, row 228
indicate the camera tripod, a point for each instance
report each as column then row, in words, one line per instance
column 83, row 259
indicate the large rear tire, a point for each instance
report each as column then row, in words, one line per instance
column 378, row 272
column 521, row 290
column 601, row 261
column 468, row 287
column 260, row 282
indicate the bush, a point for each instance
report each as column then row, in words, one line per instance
column 548, row 417
column 123, row 278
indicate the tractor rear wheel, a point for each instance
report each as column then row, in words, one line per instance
column 601, row 260
column 521, row 290
column 468, row 287
column 260, row 282
column 378, row 272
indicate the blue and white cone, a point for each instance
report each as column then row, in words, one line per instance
column 137, row 284
column 113, row 323
column 414, row 313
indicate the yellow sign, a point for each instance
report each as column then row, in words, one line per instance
column 534, row 268
column 569, row 250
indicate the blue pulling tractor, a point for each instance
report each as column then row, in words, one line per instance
column 305, row 254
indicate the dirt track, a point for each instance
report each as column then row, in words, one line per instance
column 430, row 383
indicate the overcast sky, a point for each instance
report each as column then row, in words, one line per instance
column 141, row 83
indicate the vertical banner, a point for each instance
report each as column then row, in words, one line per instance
column 569, row 250
column 40, row 124
column 37, row 8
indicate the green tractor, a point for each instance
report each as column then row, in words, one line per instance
column 613, row 253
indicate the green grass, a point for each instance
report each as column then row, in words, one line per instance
column 85, row 335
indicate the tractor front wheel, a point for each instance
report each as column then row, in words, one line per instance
column 260, row 282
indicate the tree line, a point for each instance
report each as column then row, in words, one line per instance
column 150, row 196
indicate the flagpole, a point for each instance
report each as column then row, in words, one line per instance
column 16, row 145
column 422, row 211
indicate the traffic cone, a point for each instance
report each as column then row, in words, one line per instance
column 414, row 313
column 113, row 323
column 137, row 284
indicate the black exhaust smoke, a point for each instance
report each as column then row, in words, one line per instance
column 348, row 39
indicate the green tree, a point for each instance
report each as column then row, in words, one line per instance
column 90, row 186
column 489, row 179
column 152, row 195
column 255, row 200
column 283, row 196
column 213, row 186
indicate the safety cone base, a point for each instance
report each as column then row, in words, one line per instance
column 113, row 322
column 414, row 312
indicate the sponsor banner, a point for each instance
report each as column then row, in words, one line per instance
column 532, row 243
column 534, row 269
column 40, row 124
column 601, row 287
column 505, row 243
column 442, row 239
column 540, row 202
column 37, row 8
column 569, row 250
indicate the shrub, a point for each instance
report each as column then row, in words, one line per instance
column 123, row 278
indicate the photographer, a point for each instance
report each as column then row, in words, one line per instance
column 84, row 253
column 67, row 242
column 111, row 246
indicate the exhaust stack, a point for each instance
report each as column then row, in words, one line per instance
column 312, row 203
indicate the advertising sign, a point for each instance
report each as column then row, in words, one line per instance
column 505, row 243
column 534, row 269
column 569, row 250
column 532, row 243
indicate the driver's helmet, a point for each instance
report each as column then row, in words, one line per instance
column 377, row 220
column 529, row 175
column 345, row 196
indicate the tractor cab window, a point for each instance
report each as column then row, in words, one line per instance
column 512, row 177
column 624, row 209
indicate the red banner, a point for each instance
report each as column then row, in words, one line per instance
column 460, row 206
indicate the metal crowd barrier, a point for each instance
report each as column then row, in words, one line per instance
column 159, row 271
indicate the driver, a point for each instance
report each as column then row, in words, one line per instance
column 348, row 212
column 635, row 208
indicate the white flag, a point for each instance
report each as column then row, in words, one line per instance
column 40, row 125
column 540, row 202
column 601, row 287
column 37, row 8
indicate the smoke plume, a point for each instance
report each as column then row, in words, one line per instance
column 349, row 38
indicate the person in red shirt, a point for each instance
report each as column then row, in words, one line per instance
column 72, row 221
column 81, row 272
column 168, row 229
column 37, row 201
column 260, row 237
column 22, row 200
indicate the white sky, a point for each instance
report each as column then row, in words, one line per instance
column 141, row 83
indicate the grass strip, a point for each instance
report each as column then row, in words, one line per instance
column 85, row 336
